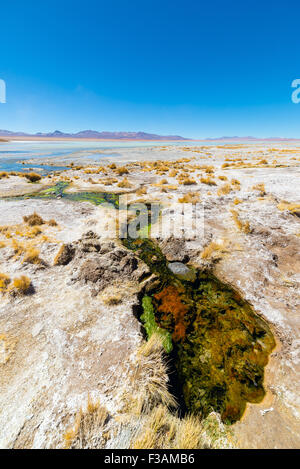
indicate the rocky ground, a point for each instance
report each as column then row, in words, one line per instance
column 71, row 337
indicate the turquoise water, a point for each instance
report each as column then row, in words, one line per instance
column 12, row 153
column 15, row 165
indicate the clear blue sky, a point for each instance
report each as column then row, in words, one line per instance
column 194, row 68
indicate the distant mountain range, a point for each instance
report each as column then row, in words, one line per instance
column 93, row 134
column 262, row 139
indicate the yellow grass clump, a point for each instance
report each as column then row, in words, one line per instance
column 173, row 173
column 291, row 207
column 212, row 248
column 33, row 220
column 235, row 182
column 237, row 201
column 242, row 226
column 3, row 174
column 125, row 183
column 87, row 431
column 32, row 256
column 121, row 170
column 189, row 198
column 162, row 430
column 261, row 188
column 21, row 284
column 141, row 191
column 187, row 181
column 108, row 181
column 224, row 190
column 208, row 180
column 18, row 247
column 209, row 170
column 4, row 282
column 32, row 177
column 31, row 232
column 149, row 379
column 52, row 222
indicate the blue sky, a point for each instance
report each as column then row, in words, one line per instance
column 193, row 68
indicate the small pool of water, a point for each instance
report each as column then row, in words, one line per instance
column 9, row 164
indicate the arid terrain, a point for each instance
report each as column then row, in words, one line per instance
column 76, row 369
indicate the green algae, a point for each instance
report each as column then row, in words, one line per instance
column 59, row 191
column 150, row 324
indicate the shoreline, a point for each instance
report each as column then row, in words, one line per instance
column 7, row 139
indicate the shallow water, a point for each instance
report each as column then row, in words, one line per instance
column 26, row 149
column 8, row 164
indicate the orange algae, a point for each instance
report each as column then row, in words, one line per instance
column 171, row 304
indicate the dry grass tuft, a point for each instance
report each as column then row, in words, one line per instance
column 4, row 282
column 21, row 285
column 33, row 220
column 208, row 180
column 141, row 191
column 212, row 248
column 125, row 183
column 32, row 256
column 18, row 247
column 162, row 430
column 52, row 222
column 189, row 198
column 288, row 206
column 209, row 170
column 32, row 177
column 261, row 188
column 242, row 226
column 122, row 170
column 3, row 174
column 237, row 201
column 224, row 190
column 149, row 379
column 235, row 182
column 87, row 431
column 187, row 181
column 33, row 232
column 173, row 173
